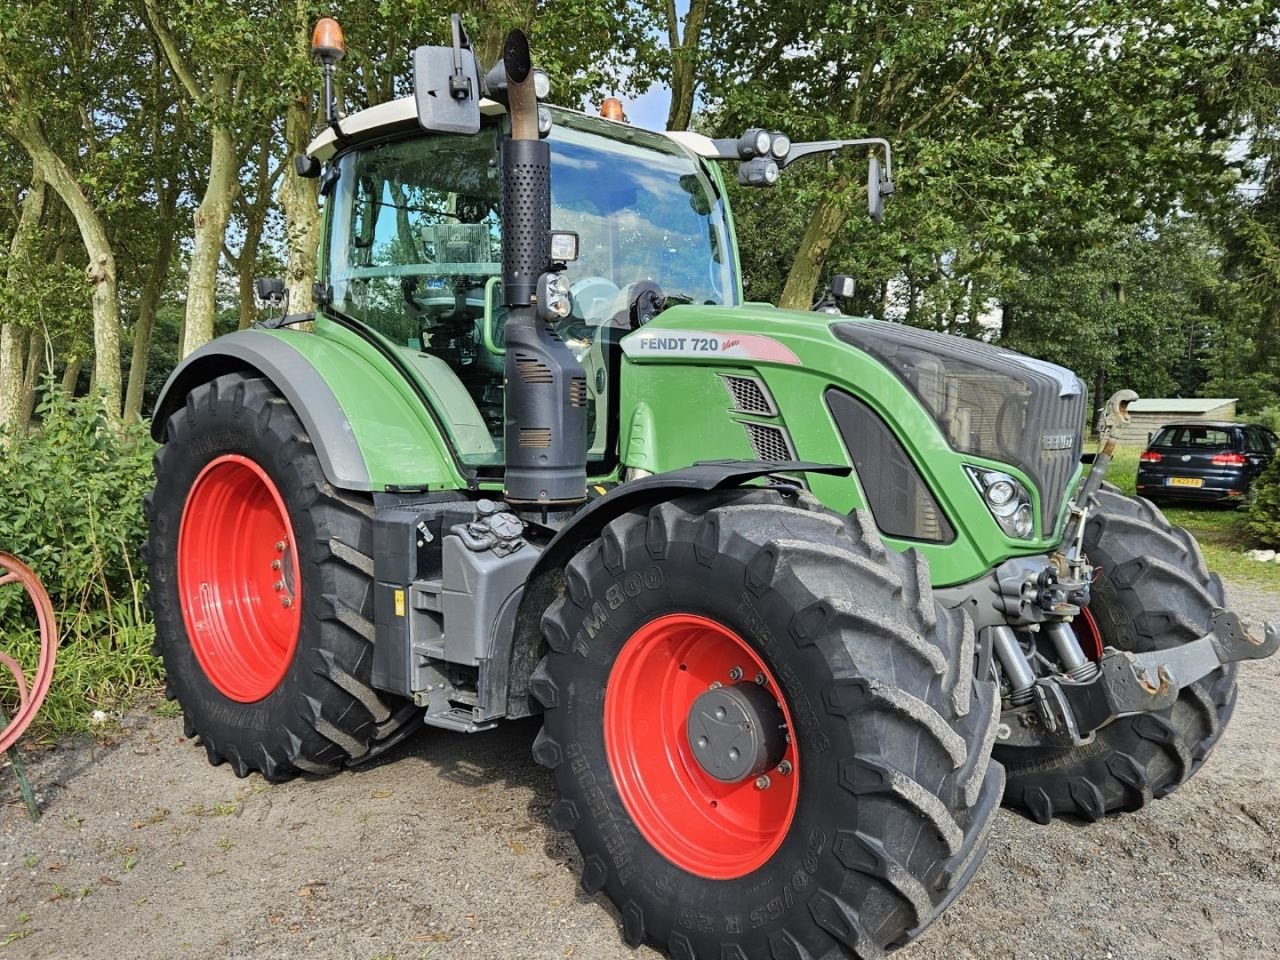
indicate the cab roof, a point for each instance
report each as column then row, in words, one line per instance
column 401, row 116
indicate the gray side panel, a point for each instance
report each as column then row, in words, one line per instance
column 291, row 374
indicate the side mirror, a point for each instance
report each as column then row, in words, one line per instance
column 270, row 292
column 876, row 190
column 446, row 85
column 365, row 213
column 495, row 333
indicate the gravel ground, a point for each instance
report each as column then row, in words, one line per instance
column 441, row 850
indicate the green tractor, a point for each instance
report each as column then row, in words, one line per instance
column 800, row 598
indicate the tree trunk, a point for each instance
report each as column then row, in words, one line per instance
column 149, row 304
column 300, row 199
column 684, row 61
column 806, row 269
column 36, row 346
column 71, row 375
column 101, row 271
column 211, row 220
column 13, row 339
column 13, row 368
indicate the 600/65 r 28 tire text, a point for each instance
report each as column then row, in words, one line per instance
column 261, row 585
column 767, row 738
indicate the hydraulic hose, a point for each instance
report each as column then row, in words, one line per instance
column 29, row 699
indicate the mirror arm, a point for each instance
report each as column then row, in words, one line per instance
column 801, row 150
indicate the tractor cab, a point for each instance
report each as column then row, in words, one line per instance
column 413, row 251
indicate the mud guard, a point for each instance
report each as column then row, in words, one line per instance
column 294, row 376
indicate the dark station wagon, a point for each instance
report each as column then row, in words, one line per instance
column 1207, row 461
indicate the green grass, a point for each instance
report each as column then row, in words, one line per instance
column 1220, row 530
column 103, row 663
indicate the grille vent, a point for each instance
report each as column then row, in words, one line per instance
column 578, row 392
column 536, row 437
column 769, row 442
column 533, row 370
column 750, row 396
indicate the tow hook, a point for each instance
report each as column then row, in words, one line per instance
column 1067, row 712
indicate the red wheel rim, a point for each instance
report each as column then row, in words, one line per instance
column 238, row 578
column 710, row 828
column 1087, row 632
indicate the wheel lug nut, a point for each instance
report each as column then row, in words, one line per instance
column 762, row 783
column 716, row 685
column 286, row 602
column 760, row 679
column 275, row 564
column 784, row 767
column 735, row 673
column 278, row 585
column 280, row 545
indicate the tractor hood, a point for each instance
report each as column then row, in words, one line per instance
column 980, row 401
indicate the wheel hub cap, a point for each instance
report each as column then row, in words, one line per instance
column 238, row 578
column 736, row 732
column 720, row 809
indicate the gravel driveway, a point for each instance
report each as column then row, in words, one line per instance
column 441, row 850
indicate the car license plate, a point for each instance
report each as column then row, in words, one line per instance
column 1185, row 482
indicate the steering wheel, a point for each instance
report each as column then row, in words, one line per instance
column 593, row 299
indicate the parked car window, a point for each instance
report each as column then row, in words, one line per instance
column 1254, row 441
column 1196, row 437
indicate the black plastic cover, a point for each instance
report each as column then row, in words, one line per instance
column 899, row 497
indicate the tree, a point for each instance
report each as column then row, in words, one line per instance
column 22, row 121
column 996, row 111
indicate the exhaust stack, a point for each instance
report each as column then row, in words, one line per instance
column 546, row 389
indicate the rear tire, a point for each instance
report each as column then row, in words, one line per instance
column 300, row 700
column 1153, row 592
column 894, row 791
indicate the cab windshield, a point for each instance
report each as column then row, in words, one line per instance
column 414, row 251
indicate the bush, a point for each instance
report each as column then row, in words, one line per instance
column 1268, row 417
column 71, row 508
column 1264, row 507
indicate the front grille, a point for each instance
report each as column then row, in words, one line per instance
column 897, row 495
column 749, row 396
column 987, row 401
column 768, row 442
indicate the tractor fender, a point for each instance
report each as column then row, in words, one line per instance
column 546, row 578
column 292, row 374
column 586, row 524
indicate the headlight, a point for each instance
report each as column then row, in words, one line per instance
column 544, row 121
column 760, row 172
column 754, row 143
column 554, row 302
column 1007, row 499
column 781, row 145
column 541, row 85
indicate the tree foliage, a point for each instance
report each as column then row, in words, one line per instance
column 1091, row 182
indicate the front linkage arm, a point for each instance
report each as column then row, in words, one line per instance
column 1066, row 712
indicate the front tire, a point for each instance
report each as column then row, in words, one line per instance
column 261, row 587
column 1153, row 592
column 877, row 809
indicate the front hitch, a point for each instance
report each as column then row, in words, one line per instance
column 1065, row 712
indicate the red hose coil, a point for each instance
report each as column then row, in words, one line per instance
column 14, row 571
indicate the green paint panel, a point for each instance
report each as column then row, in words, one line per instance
column 400, row 443
column 677, row 410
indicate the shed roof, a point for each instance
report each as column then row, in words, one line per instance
column 1179, row 404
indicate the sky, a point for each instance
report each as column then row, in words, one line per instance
column 649, row 110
